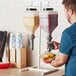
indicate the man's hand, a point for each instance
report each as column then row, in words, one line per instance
column 60, row 60
column 56, row 45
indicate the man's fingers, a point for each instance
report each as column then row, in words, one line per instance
column 56, row 46
column 52, row 63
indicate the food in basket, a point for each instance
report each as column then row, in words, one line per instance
column 47, row 58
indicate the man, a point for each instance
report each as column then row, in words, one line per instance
column 67, row 48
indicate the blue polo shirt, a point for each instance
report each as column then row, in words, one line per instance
column 68, row 46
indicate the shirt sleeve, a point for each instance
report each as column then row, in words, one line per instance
column 65, row 44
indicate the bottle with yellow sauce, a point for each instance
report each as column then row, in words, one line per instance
column 31, row 20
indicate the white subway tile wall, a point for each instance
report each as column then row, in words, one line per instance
column 11, row 19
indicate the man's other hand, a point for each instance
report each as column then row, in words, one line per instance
column 56, row 44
